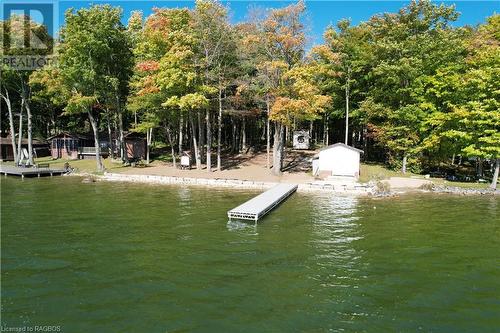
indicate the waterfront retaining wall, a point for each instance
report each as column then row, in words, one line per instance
column 235, row 183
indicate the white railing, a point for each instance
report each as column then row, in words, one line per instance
column 91, row 150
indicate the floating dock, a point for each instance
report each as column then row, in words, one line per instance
column 29, row 171
column 259, row 206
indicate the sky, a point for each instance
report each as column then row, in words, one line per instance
column 320, row 13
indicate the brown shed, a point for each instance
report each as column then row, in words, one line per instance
column 135, row 146
column 40, row 148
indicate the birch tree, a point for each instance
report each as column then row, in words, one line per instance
column 14, row 40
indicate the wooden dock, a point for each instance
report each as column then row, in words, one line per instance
column 262, row 204
column 29, row 171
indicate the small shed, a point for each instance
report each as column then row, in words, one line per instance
column 338, row 160
column 40, row 148
column 135, row 146
column 301, row 140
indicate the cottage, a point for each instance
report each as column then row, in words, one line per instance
column 75, row 146
column 338, row 160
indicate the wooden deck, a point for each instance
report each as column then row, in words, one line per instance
column 29, row 171
column 262, row 204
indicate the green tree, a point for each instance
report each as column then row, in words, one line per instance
column 94, row 63
column 15, row 81
column 345, row 59
column 284, row 38
column 464, row 100
column 49, row 93
column 215, row 51
column 415, row 42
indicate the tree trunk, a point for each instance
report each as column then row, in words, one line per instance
column 110, row 137
column 495, row 175
column 347, row 107
column 365, row 143
column 97, row 146
column 30, row 131
column 316, row 132
column 480, row 167
column 170, row 141
column 264, row 130
column 311, row 127
column 25, row 100
column 209, row 141
column 233, row 146
column 278, row 148
column 6, row 98
column 149, row 138
column 327, row 130
column 219, row 132
column 243, row 136
column 403, row 169
column 286, row 135
column 268, row 137
column 201, row 137
column 120, row 125
column 181, row 129
column 120, row 130
column 20, row 135
column 195, row 143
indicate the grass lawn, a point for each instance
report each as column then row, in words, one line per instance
column 444, row 182
column 88, row 166
column 379, row 172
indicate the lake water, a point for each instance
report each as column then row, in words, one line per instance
column 111, row 257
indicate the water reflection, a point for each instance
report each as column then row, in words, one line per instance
column 236, row 225
column 184, row 194
column 335, row 228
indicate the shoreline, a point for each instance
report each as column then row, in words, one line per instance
column 356, row 189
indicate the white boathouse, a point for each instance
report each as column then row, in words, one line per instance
column 338, row 160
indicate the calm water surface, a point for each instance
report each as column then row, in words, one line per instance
column 109, row 257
